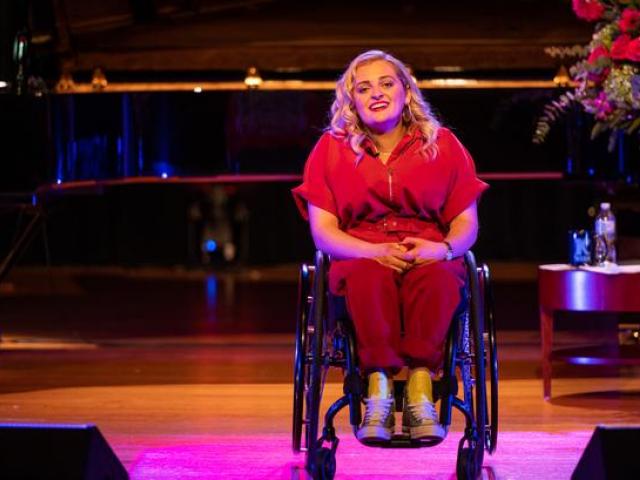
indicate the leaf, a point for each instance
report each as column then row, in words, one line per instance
column 597, row 129
column 551, row 112
column 634, row 126
column 613, row 139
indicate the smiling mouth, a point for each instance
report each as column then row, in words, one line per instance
column 378, row 106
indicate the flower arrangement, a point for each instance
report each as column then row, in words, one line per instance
column 606, row 83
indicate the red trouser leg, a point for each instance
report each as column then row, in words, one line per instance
column 372, row 294
column 429, row 295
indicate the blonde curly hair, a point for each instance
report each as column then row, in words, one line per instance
column 346, row 124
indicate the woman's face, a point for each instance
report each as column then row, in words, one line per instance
column 379, row 95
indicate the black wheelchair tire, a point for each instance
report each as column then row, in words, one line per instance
column 476, row 332
column 316, row 367
column 300, row 370
column 491, row 436
column 325, row 464
column 481, row 397
column 466, row 466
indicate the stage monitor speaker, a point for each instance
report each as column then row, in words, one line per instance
column 611, row 454
column 51, row 451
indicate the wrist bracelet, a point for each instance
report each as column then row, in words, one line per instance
column 449, row 255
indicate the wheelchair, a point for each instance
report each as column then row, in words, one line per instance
column 325, row 339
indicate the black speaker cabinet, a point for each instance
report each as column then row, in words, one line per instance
column 48, row 451
column 613, row 453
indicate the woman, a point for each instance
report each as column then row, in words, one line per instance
column 391, row 197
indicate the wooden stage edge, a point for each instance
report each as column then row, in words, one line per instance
column 196, row 408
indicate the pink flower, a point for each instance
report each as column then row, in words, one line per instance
column 599, row 106
column 630, row 20
column 603, row 110
column 619, row 47
column 589, row 10
column 633, row 50
column 597, row 53
column 599, row 61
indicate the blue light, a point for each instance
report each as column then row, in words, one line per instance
column 211, row 246
column 163, row 169
column 140, row 155
column 586, row 361
column 59, row 181
column 591, row 171
column 212, row 297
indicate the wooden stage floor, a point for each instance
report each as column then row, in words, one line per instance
column 180, row 401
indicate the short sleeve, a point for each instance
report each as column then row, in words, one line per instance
column 464, row 187
column 315, row 188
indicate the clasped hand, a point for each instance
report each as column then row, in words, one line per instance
column 410, row 252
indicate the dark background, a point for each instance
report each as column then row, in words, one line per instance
column 48, row 137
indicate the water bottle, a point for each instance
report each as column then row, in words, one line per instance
column 604, row 248
column 599, row 250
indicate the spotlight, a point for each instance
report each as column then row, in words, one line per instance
column 253, row 78
column 163, row 169
column 3, row 84
column 210, row 245
column 197, row 89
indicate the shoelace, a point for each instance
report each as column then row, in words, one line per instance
column 377, row 410
column 422, row 411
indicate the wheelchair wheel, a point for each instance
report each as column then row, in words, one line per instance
column 471, row 456
column 325, row 464
column 300, row 365
column 491, row 348
column 466, row 465
column 317, row 369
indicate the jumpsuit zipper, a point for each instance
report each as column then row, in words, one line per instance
column 390, row 178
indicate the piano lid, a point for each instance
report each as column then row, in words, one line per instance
column 180, row 134
column 189, row 137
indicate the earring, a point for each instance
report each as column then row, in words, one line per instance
column 407, row 116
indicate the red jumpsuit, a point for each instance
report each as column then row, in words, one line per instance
column 399, row 319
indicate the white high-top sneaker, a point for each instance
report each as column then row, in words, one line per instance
column 419, row 415
column 420, row 420
column 379, row 421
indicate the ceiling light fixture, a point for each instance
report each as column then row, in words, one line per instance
column 253, row 78
column 99, row 79
column 65, row 83
column 562, row 78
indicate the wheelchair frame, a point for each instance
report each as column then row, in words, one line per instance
column 325, row 339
